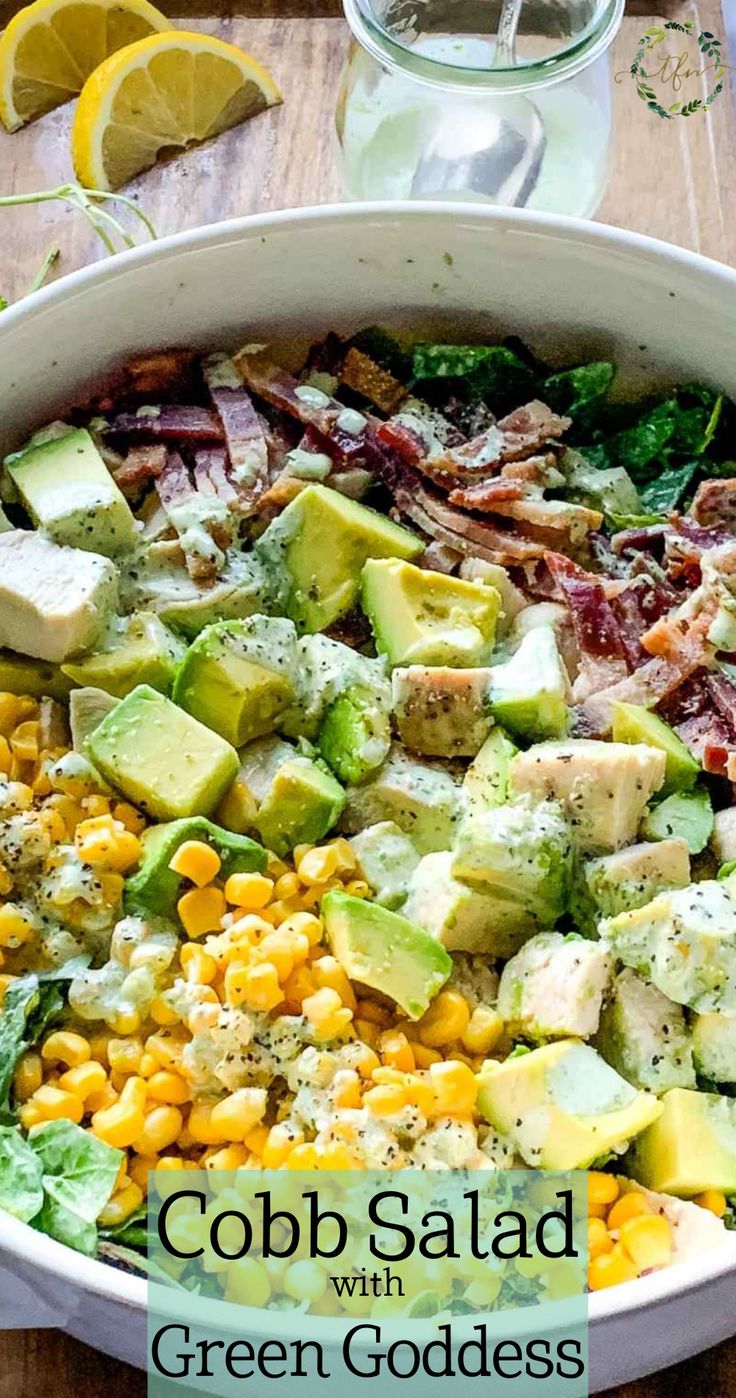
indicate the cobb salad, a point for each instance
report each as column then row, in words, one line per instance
column 367, row 763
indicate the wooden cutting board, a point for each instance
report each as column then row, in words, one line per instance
column 673, row 180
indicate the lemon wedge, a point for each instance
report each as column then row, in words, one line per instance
column 163, row 94
column 49, row 49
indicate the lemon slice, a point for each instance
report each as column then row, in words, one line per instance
column 160, row 95
column 50, row 48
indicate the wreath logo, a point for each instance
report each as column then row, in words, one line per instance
column 674, row 69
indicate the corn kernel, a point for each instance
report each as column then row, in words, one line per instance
column 385, row 1100
column 123, row 1203
column 167, row 1049
column 200, row 1124
column 446, row 1019
column 28, row 1076
column 247, row 1280
column 483, row 1031
column 56, row 1105
column 599, row 1238
column 602, row 1188
column 162, row 1127
column 648, row 1241
column 30, row 1115
column 200, row 968
column 129, row 817
column 119, row 1125
column 6, row 881
column 257, row 986
column 286, row 886
column 396, row 1050
column 237, row 1114
column 455, row 1088
column 248, row 890
column 374, row 1013
column 304, row 924
column 326, row 1013
column 328, row 972
column 196, row 861
column 367, row 1031
column 24, row 741
column 96, row 805
column 424, row 1057
column 161, row 1013
column 139, row 1167
column 713, row 1200
column 346, row 860
column 358, row 888
column 84, row 1081
column 124, row 1055
column 279, row 1145
column 67, row 1048
column 5, row 755
column 611, row 1269
column 16, row 926
column 201, row 910
column 232, row 1157
column 302, row 1157
column 168, row 1087
column 317, row 865
column 628, row 1206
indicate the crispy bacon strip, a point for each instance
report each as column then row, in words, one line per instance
column 279, row 388
column 142, row 463
column 175, row 488
column 169, row 422
column 245, row 437
column 211, row 475
column 602, row 655
column 655, row 680
column 715, row 504
column 521, row 434
column 363, row 375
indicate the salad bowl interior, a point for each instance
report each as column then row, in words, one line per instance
column 573, row 292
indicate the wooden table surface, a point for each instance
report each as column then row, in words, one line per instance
column 674, row 180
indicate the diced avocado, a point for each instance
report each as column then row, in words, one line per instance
column 554, row 986
column 355, row 736
column 685, row 942
column 634, row 724
column 385, row 951
column 513, row 600
column 322, row 539
column 529, row 693
column 486, row 781
column 643, row 1035
column 562, row 1106
column 325, row 670
column 20, row 674
column 440, row 711
column 70, row 494
column 687, row 814
column 54, row 602
column 722, row 840
column 423, row 801
column 155, row 888
column 463, row 918
column 139, row 649
column 387, row 860
column 690, row 1148
column 161, row 758
column 714, row 1046
column 155, row 579
column 302, row 804
column 603, row 787
column 521, row 851
column 629, row 878
column 259, row 763
column 87, row 708
column 420, row 617
column 238, row 676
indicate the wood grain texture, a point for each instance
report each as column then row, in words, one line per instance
column 672, row 180
column 675, row 180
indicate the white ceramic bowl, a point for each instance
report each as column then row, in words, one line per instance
column 572, row 290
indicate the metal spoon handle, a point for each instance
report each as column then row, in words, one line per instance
column 508, row 24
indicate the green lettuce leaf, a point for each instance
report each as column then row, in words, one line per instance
column 21, row 1187
column 667, row 490
column 492, row 373
column 31, row 1004
column 578, row 392
column 79, row 1174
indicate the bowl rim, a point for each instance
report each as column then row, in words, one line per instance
column 21, row 1241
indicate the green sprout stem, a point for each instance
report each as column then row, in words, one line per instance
column 49, row 261
column 89, row 202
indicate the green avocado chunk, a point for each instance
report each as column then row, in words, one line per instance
column 644, row 1036
column 486, row 781
column 238, row 676
column 529, row 692
column 161, row 758
column 387, row 860
column 355, row 736
column 562, row 1106
column 70, row 494
column 687, row 814
column 691, row 1148
column 302, row 804
column 322, row 539
column 155, row 888
column 521, row 851
column 141, row 650
column 634, row 724
column 385, row 951
column 21, row 674
column 420, row 617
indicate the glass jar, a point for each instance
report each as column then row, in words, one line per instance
column 425, row 112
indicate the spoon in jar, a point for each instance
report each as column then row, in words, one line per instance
column 503, row 152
